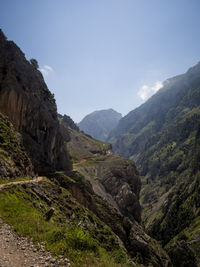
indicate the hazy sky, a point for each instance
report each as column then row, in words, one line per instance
column 99, row 54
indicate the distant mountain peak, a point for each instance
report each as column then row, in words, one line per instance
column 99, row 123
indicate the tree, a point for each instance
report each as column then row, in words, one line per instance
column 34, row 63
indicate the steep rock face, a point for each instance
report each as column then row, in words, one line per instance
column 116, row 180
column 119, row 179
column 142, row 249
column 112, row 177
column 72, row 197
column 14, row 161
column 26, row 100
column 109, row 186
column 68, row 122
column 163, row 137
column 99, row 123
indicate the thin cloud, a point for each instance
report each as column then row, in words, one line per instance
column 48, row 67
column 46, row 70
column 146, row 91
column 157, row 86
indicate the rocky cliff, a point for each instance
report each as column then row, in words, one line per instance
column 83, row 227
column 26, row 100
column 116, row 181
column 112, row 177
column 14, row 161
column 90, row 214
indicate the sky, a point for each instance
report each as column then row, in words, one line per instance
column 100, row 54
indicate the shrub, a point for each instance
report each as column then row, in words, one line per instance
column 34, row 63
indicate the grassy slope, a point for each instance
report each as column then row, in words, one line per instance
column 82, row 146
column 171, row 185
column 73, row 230
column 88, row 155
column 84, row 227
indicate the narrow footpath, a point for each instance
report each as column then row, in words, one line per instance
column 31, row 181
column 18, row 251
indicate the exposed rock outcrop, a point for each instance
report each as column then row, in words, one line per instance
column 14, row 161
column 68, row 122
column 109, row 186
column 26, row 100
column 112, row 177
column 142, row 248
column 118, row 177
column 91, row 210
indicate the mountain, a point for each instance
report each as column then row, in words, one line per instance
column 84, row 205
column 115, row 180
column 30, row 106
column 99, row 123
column 162, row 136
column 103, row 169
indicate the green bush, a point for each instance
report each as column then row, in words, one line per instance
column 34, row 62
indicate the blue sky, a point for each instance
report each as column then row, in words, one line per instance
column 99, row 54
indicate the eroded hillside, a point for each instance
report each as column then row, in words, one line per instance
column 90, row 214
column 162, row 136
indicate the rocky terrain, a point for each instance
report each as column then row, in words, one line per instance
column 16, row 251
column 99, row 123
column 30, row 106
column 162, row 136
column 89, row 214
column 116, row 181
column 112, row 177
column 14, row 161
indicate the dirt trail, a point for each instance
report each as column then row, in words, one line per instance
column 31, row 181
column 18, row 251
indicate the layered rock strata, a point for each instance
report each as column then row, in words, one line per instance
column 26, row 100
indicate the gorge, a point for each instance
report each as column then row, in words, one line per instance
column 91, row 194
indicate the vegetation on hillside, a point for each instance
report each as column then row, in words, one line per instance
column 14, row 161
column 73, row 231
column 163, row 136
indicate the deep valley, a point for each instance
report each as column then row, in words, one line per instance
column 130, row 200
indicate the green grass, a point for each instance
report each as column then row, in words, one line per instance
column 19, row 209
column 8, row 139
column 99, row 143
column 195, row 226
column 92, row 161
column 6, row 158
column 191, row 235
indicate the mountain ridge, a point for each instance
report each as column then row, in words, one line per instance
column 99, row 123
column 86, row 208
column 162, row 136
column 30, row 106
